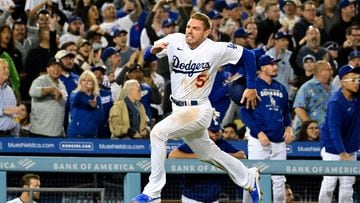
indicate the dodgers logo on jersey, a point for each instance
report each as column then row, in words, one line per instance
column 189, row 67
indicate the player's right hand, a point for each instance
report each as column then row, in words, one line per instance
column 158, row 47
column 263, row 138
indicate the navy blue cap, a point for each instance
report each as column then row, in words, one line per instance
column 331, row 45
column 345, row 3
column 107, row 53
column 220, row 5
column 309, row 57
column 282, row 34
column 214, row 14
column 74, row 18
column 241, row 32
column 53, row 61
column 99, row 67
column 215, row 126
column 354, row 54
column 266, row 60
column 168, row 22
column 344, row 70
column 117, row 32
column 233, row 5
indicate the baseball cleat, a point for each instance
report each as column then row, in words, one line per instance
column 255, row 191
column 142, row 198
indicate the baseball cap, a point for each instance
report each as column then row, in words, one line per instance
column 345, row 3
column 233, row 5
column 107, row 53
column 241, row 32
column 346, row 70
column 289, row 2
column 117, row 32
column 266, row 60
column 308, row 57
column 82, row 42
column 168, row 22
column 220, row 5
column 63, row 53
column 282, row 34
column 354, row 54
column 215, row 126
column 53, row 61
column 98, row 67
column 331, row 45
column 213, row 15
column 74, row 18
column 136, row 67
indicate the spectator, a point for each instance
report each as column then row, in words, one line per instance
column 233, row 20
column 31, row 181
column 289, row 195
column 216, row 34
column 347, row 18
column 48, row 102
column 91, row 17
column 352, row 43
column 308, row 19
column 251, row 27
column 202, row 188
column 340, row 134
column 312, row 97
column 270, row 25
column 120, row 39
column 309, row 131
column 24, row 120
column 127, row 116
column 307, row 72
column 285, row 72
column 109, row 22
column 84, row 56
column 21, row 42
column 14, row 80
column 229, row 132
column 75, row 30
column 289, row 17
column 312, row 46
column 7, row 44
column 332, row 55
column 330, row 13
column 8, row 108
column 112, row 60
column 269, row 123
column 106, row 101
column 86, row 110
column 354, row 62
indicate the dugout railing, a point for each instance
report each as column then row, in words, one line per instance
column 134, row 167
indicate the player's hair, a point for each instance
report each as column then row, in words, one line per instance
column 320, row 65
column 203, row 18
column 25, row 180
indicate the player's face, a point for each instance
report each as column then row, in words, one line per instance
column 270, row 70
column 195, row 33
column 35, row 183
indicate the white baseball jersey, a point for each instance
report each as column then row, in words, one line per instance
column 193, row 70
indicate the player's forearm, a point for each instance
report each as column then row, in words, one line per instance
column 249, row 59
column 148, row 56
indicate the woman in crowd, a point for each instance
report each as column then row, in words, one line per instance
column 128, row 117
column 7, row 45
column 86, row 108
column 309, row 131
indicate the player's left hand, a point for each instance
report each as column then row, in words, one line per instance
column 251, row 97
column 288, row 135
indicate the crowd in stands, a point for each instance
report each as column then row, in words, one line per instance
column 75, row 68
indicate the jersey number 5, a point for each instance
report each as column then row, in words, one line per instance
column 201, row 79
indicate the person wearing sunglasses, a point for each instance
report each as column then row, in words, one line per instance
column 340, row 133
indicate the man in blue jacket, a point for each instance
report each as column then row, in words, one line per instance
column 340, row 133
column 269, row 123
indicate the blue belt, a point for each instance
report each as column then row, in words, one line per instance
column 184, row 102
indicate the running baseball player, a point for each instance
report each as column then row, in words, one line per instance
column 269, row 124
column 193, row 59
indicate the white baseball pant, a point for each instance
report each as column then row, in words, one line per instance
column 190, row 123
column 276, row 151
column 328, row 183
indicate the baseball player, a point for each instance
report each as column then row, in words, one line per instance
column 269, row 123
column 340, row 133
column 193, row 59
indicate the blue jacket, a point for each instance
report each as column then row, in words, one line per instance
column 107, row 103
column 84, row 118
column 272, row 114
column 340, row 131
column 219, row 96
column 204, row 188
